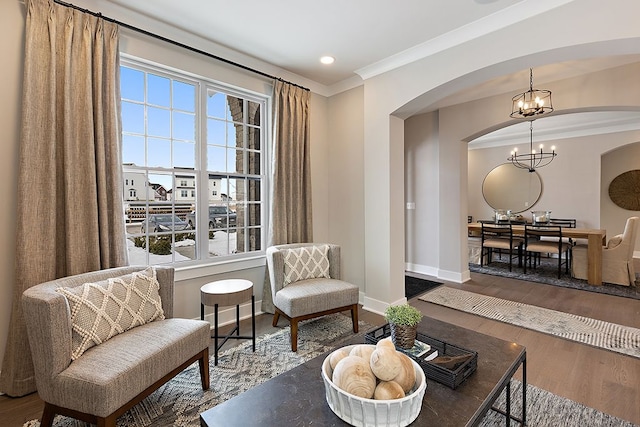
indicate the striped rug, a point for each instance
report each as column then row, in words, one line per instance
column 610, row 336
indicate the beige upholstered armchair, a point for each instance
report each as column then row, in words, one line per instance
column 88, row 365
column 305, row 283
column 617, row 257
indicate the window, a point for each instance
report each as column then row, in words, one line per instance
column 182, row 137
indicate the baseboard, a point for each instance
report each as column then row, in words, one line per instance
column 379, row 307
column 450, row 276
column 422, row 269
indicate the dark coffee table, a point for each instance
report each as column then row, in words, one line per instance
column 297, row 397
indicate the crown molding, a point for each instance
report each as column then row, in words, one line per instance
column 488, row 24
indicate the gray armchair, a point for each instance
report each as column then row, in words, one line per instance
column 310, row 297
column 107, row 379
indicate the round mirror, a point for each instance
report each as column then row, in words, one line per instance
column 510, row 188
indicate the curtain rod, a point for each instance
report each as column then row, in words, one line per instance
column 174, row 42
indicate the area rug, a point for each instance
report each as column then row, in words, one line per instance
column 547, row 273
column 179, row 402
column 414, row 286
column 545, row 409
column 610, row 336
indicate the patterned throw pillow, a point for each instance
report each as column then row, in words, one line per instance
column 104, row 309
column 308, row 262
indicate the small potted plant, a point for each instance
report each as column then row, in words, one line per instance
column 403, row 321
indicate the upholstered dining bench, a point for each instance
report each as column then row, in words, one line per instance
column 84, row 373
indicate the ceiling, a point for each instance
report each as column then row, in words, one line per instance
column 364, row 38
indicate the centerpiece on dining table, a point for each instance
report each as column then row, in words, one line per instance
column 541, row 217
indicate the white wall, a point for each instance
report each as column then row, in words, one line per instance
column 421, row 184
column 345, row 203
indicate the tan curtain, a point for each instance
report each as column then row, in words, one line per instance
column 291, row 219
column 70, row 214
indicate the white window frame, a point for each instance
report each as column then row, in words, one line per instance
column 254, row 258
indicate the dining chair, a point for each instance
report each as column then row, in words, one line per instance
column 535, row 245
column 564, row 222
column 500, row 236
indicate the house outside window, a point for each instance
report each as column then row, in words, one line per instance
column 181, row 137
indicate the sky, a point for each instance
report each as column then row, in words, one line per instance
column 169, row 121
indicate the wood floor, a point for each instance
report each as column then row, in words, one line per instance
column 601, row 379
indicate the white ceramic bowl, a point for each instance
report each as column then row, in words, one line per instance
column 362, row 412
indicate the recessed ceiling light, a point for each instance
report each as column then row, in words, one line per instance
column 327, row 59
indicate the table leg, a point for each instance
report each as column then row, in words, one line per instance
column 215, row 335
column 508, row 399
column 524, row 391
column 238, row 319
column 253, row 322
column 594, row 260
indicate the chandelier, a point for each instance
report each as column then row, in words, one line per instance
column 531, row 103
column 535, row 158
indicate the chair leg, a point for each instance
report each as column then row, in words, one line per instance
column 276, row 316
column 48, row 414
column 203, row 362
column 520, row 256
column 294, row 335
column 354, row 318
column 109, row 421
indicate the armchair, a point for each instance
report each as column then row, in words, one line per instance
column 305, row 283
column 617, row 257
column 98, row 372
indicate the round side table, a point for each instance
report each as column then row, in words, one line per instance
column 222, row 293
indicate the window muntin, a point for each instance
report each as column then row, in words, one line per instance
column 181, row 134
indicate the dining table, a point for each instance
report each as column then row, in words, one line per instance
column 596, row 239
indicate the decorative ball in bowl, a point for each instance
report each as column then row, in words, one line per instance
column 370, row 385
